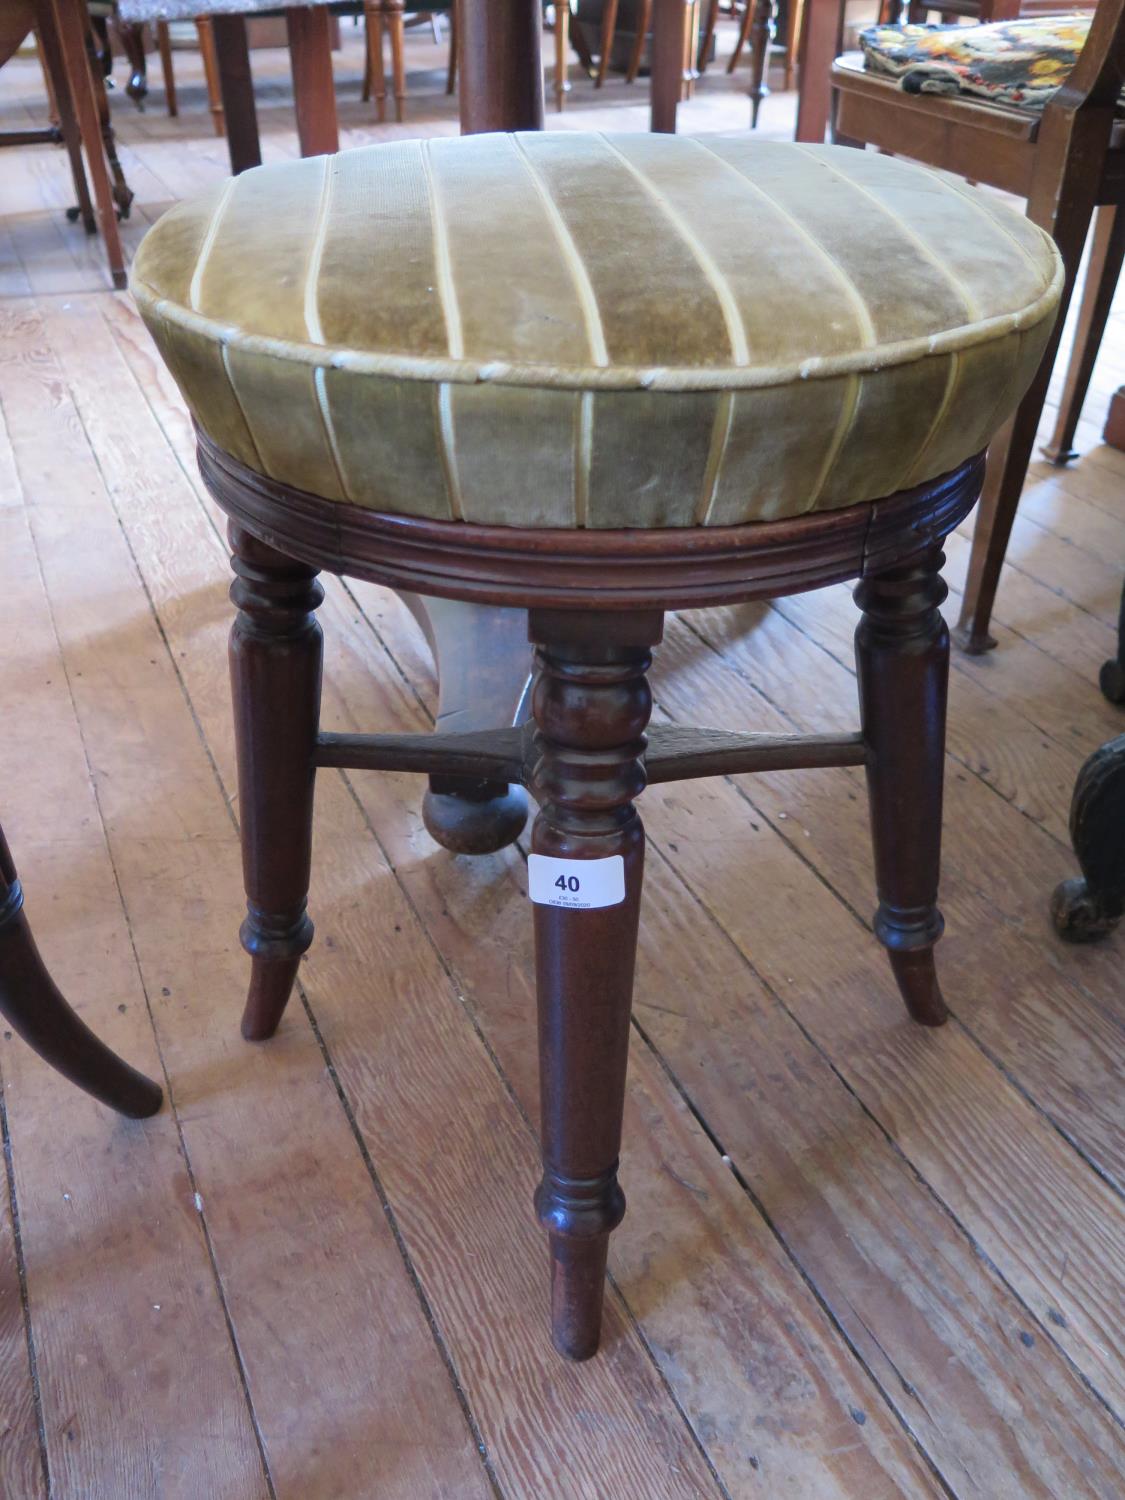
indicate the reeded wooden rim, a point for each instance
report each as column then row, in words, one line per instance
column 669, row 568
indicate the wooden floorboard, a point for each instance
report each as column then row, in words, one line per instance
column 860, row 1258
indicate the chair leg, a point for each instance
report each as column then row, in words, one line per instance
column 66, row 23
column 31, row 1004
column 454, row 43
column 592, row 703
column 396, row 24
column 902, row 653
column 373, row 21
column 643, row 22
column 609, row 32
column 1106, row 255
column 562, row 53
column 743, row 36
column 167, row 67
column 206, row 34
column 759, row 56
column 710, row 17
column 275, row 663
column 63, row 107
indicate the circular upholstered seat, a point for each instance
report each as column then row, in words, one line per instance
column 565, row 329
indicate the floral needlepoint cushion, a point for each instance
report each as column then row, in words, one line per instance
column 1019, row 63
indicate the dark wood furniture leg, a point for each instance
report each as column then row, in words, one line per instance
column 275, row 664
column 133, row 45
column 817, row 50
column 591, row 703
column 902, row 653
column 236, row 85
column 501, row 79
column 609, row 34
column 1111, row 679
column 759, row 56
column 58, row 85
column 669, row 34
column 1087, row 908
column 69, row 23
column 167, row 68
column 314, row 90
column 1106, row 255
column 31, row 1004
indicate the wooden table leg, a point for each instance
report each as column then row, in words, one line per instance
column 31, row 1004
column 669, row 37
column 68, row 18
column 820, row 31
column 314, row 89
column 236, row 85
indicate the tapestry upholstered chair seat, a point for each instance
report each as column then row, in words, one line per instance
column 1018, row 63
column 539, row 371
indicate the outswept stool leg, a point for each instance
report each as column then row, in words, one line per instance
column 591, row 703
column 902, row 653
column 275, row 666
column 31, row 1004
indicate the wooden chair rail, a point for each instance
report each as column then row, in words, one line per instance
column 672, row 753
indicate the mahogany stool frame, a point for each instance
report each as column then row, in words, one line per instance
column 595, row 603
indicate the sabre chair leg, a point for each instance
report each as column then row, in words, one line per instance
column 902, row 653
column 591, row 703
column 31, row 1004
column 275, row 663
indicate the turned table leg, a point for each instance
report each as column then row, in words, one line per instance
column 591, row 702
column 902, row 653
column 31, row 1004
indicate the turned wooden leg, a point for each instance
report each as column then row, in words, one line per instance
column 275, row 664
column 902, row 652
column 1106, row 255
column 32, row 1005
column 1089, row 908
column 591, row 703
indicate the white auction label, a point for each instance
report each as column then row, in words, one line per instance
column 577, row 884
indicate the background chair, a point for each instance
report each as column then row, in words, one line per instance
column 1066, row 163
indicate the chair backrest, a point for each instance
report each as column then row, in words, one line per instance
column 1096, row 79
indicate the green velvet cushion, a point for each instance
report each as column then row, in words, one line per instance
column 568, row 329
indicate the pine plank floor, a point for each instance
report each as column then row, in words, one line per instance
column 860, row 1259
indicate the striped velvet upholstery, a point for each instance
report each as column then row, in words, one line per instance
column 570, row 329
